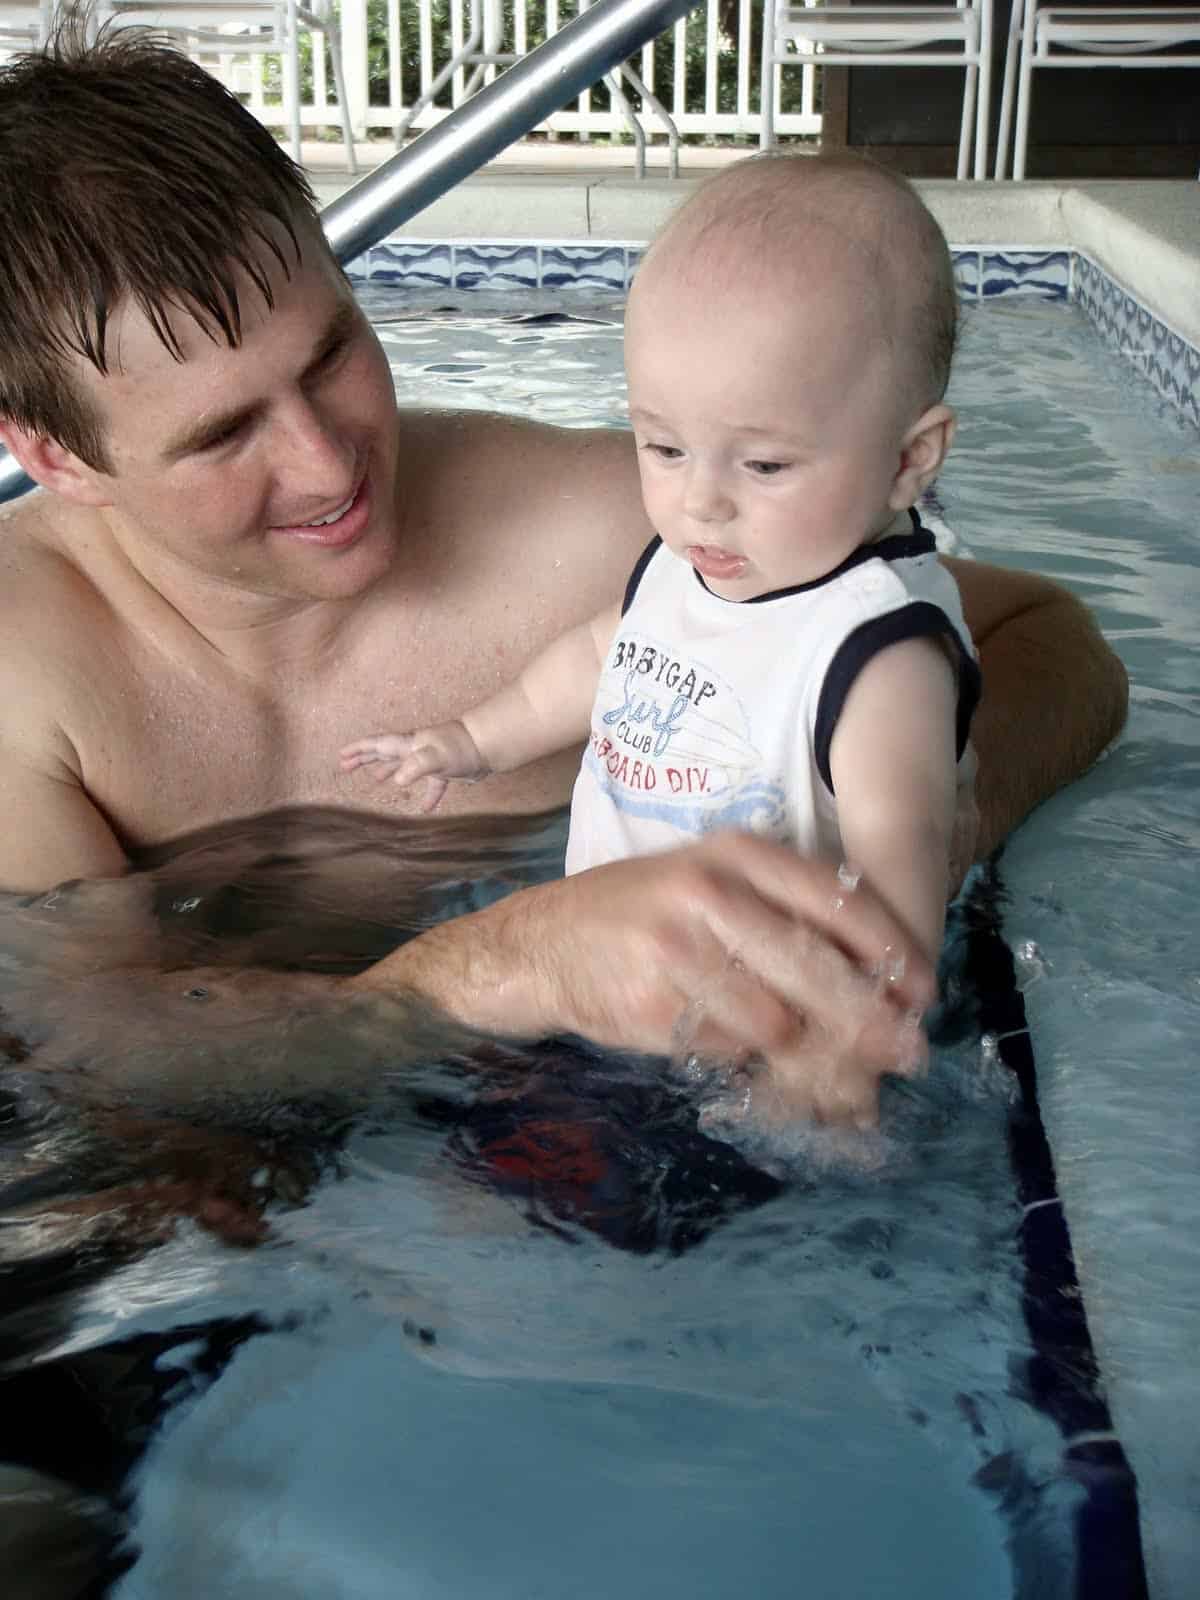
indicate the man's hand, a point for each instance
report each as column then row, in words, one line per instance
column 437, row 754
column 750, row 948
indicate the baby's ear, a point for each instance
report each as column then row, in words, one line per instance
column 924, row 447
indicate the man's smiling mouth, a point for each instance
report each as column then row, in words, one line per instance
column 334, row 516
column 342, row 525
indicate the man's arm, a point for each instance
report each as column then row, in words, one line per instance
column 49, row 830
column 1054, row 694
column 768, row 943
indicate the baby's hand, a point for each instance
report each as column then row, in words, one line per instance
column 818, row 1083
column 439, row 754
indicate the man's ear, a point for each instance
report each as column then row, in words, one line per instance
column 54, row 466
column 922, row 451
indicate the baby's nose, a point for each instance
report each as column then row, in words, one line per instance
column 706, row 499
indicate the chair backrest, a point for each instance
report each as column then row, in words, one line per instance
column 25, row 22
column 183, row 15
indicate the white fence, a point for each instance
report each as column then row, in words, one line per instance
column 705, row 70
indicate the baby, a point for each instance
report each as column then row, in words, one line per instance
column 789, row 655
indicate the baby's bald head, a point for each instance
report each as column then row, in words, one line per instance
column 823, row 226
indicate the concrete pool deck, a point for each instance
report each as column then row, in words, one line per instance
column 1144, row 233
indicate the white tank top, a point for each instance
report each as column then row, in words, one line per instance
column 715, row 714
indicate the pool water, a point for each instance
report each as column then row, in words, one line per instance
column 538, row 1334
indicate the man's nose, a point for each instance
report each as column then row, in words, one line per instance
column 315, row 456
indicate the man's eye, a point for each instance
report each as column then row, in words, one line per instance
column 767, row 469
column 331, row 356
column 226, row 436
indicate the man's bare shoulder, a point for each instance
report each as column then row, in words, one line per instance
column 53, row 628
column 45, row 596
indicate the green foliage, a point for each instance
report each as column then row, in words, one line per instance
column 378, row 54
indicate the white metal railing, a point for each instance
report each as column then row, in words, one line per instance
column 706, row 77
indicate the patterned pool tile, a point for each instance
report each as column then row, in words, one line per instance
column 496, row 266
column 584, row 266
column 1043, row 274
column 421, row 263
column 1125, row 324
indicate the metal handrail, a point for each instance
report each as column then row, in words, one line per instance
column 506, row 109
column 499, row 114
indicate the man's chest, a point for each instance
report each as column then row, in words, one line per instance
column 171, row 746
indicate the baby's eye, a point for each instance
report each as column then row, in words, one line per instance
column 767, row 469
column 665, row 452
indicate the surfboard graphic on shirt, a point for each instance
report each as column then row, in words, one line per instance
column 670, row 738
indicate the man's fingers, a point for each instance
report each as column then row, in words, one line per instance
column 820, row 909
column 764, row 981
column 731, row 947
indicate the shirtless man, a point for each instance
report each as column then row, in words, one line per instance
column 242, row 551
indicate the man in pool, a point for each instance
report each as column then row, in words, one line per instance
column 242, row 550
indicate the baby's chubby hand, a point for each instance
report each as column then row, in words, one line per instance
column 438, row 754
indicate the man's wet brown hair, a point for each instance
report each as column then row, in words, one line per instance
column 127, row 173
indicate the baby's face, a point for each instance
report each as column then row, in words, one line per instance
column 769, row 433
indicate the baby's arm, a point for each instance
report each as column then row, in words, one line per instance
column 893, row 765
column 543, row 710
column 892, row 760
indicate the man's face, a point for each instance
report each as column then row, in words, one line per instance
column 768, row 430
column 267, row 469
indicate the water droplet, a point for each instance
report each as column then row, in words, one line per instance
column 1030, row 963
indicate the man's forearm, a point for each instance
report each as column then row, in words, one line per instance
column 1054, row 695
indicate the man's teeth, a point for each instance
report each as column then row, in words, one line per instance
column 323, row 522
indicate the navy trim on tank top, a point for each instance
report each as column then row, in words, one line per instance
column 635, row 577
column 896, row 547
column 920, row 619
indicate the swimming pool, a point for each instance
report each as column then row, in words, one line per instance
column 555, row 1341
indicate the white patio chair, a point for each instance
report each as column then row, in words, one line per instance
column 481, row 49
column 1125, row 36
column 248, row 27
column 25, row 26
column 886, row 36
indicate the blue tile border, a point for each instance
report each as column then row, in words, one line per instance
column 1163, row 356
column 1040, row 274
column 498, row 264
column 985, row 272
